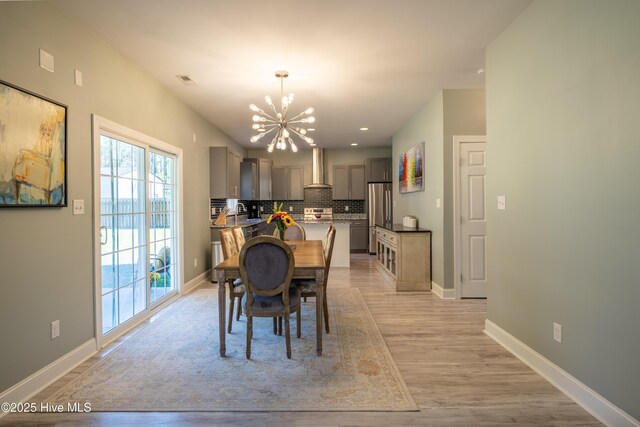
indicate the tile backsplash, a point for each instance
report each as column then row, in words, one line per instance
column 297, row 206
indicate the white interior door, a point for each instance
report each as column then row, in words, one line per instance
column 473, row 220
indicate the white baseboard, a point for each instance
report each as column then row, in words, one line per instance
column 38, row 381
column 442, row 292
column 592, row 402
column 195, row 282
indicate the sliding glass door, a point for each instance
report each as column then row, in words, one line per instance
column 138, row 229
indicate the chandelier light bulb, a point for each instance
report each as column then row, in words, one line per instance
column 256, row 126
column 285, row 133
column 302, row 131
column 309, row 110
column 270, row 148
column 309, row 140
column 268, row 100
column 294, row 147
column 254, row 107
column 311, row 119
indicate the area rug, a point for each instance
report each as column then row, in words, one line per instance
column 173, row 364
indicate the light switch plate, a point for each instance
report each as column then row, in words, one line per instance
column 437, row 203
column 78, row 78
column 502, row 203
column 78, row 207
column 46, row 60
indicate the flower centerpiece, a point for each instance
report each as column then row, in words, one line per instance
column 282, row 219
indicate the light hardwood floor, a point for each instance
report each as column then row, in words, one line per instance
column 457, row 375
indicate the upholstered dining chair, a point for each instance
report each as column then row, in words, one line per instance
column 293, row 232
column 266, row 267
column 236, row 287
column 308, row 287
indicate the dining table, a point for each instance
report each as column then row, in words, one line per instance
column 309, row 263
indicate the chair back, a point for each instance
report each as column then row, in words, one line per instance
column 239, row 236
column 328, row 252
column 228, row 243
column 293, row 232
column 266, row 267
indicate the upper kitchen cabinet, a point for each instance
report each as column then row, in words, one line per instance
column 349, row 182
column 255, row 179
column 224, row 173
column 379, row 170
column 288, row 182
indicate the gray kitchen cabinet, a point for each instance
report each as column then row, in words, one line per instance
column 359, row 235
column 379, row 170
column 224, row 173
column 288, row 182
column 349, row 182
column 255, row 179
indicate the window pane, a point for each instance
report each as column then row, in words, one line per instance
column 109, row 311
column 140, row 266
column 125, row 267
column 125, row 192
column 124, row 161
column 107, row 234
column 106, row 162
column 139, row 296
column 108, row 195
column 137, row 163
column 109, row 271
column 125, row 296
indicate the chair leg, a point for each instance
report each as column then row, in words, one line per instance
column 275, row 326
column 249, row 335
column 287, row 333
column 298, row 321
column 325, row 307
column 239, row 312
column 305, row 299
column 280, row 325
column 231, row 303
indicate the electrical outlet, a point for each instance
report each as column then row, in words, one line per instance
column 346, row 208
column 437, row 203
column 195, row 262
column 77, row 77
column 290, row 208
column 194, row 137
column 55, row 329
column 557, row 332
column 261, row 208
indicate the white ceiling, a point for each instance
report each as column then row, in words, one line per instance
column 359, row 63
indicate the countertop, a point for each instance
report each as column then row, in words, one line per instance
column 399, row 228
column 343, row 219
column 243, row 223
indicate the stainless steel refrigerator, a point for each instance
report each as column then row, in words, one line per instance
column 379, row 209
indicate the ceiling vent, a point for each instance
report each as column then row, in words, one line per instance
column 186, row 80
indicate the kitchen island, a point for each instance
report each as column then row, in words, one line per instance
column 317, row 230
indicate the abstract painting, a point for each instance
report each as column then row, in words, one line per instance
column 411, row 169
column 33, row 138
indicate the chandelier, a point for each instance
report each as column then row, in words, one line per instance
column 284, row 127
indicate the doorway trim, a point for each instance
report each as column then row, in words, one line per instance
column 458, row 140
column 100, row 124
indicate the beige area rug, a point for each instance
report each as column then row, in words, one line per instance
column 173, row 364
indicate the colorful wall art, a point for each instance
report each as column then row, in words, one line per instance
column 412, row 169
column 33, row 137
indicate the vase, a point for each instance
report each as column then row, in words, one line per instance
column 281, row 232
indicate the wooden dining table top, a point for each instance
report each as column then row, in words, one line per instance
column 306, row 254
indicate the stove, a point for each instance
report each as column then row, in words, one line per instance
column 318, row 214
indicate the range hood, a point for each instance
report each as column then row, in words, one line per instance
column 317, row 170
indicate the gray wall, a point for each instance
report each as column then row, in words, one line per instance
column 46, row 255
column 563, row 102
column 464, row 114
column 451, row 112
column 427, row 125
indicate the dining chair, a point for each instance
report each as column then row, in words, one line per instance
column 266, row 267
column 238, row 234
column 308, row 287
column 236, row 287
column 293, row 232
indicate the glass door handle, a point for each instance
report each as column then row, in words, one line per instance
column 106, row 235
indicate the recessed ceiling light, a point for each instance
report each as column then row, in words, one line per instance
column 311, row 129
column 186, row 80
column 353, row 144
column 364, row 128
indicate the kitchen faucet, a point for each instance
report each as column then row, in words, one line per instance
column 244, row 208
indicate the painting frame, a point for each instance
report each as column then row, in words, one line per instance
column 411, row 170
column 33, row 149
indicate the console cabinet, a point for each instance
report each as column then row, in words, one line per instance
column 405, row 257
